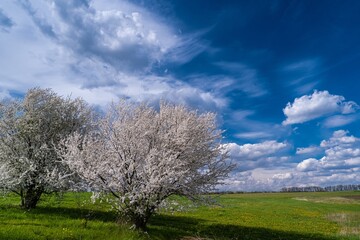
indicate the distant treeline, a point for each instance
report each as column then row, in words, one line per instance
column 352, row 187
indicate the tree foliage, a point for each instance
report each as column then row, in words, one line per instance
column 30, row 130
column 142, row 156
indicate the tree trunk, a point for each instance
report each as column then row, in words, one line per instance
column 140, row 223
column 31, row 197
column 140, row 220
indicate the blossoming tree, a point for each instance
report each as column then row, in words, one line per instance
column 30, row 130
column 141, row 156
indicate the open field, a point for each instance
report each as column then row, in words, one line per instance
column 322, row 216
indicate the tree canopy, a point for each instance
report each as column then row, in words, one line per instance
column 30, row 130
column 142, row 156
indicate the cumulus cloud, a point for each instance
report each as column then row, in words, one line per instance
column 339, row 164
column 310, row 164
column 264, row 154
column 251, row 151
column 260, row 179
column 126, row 37
column 126, row 40
column 319, row 104
column 341, row 152
column 98, row 50
column 247, row 181
column 273, row 180
column 339, row 138
column 283, row 176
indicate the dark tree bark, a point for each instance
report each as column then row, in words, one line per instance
column 140, row 222
column 30, row 197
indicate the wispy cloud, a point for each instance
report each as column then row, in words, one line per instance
column 340, row 120
column 188, row 47
column 254, row 135
column 250, row 128
column 302, row 76
column 247, row 78
column 308, row 150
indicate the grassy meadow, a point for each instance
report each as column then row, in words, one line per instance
column 323, row 216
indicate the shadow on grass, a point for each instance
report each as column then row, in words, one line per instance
column 53, row 206
column 175, row 227
column 75, row 213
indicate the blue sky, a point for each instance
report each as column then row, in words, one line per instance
column 283, row 76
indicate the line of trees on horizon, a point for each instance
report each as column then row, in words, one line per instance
column 336, row 188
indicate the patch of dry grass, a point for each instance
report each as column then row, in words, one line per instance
column 335, row 200
column 349, row 222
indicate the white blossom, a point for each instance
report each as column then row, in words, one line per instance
column 142, row 156
column 29, row 132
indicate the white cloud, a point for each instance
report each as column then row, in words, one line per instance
column 273, row 180
column 339, row 138
column 310, row 164
column 260, row 179
column 341, row 152
column 253, row 156
column 308, row 150
column 339, row 120
column 340, row 164
column 241, row 115
column 98, row 50
column 247, row 181
column 267, row 179
column 128, row 39
column 319, row 104
column 253, row 135
column 283, row 176
column 256, row 150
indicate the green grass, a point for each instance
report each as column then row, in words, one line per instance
column 74, row 217
column 322, row 216
column 271, row 216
